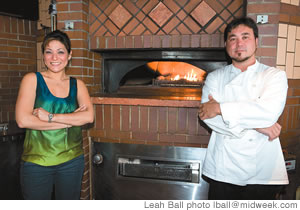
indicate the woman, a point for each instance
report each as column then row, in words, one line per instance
column 53, row 106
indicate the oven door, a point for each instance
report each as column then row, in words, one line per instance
column 144, row 172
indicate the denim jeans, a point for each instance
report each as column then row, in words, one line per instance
column 38, row 181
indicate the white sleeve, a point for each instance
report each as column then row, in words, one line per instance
column 217, row 123
column 261, row 112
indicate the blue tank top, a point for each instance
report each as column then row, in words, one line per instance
column 53, row 147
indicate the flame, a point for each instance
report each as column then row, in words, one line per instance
column 177, row 70
column 177, row 77
column 190, row 76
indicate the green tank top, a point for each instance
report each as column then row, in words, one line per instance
column 53, row 147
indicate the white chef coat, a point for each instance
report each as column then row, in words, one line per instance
column 255, row 98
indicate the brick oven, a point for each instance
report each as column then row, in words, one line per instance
column 156, row 126
column 129, row 35
column 143, row 31
column 147, row 114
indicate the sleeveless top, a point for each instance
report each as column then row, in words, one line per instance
column 53, row 147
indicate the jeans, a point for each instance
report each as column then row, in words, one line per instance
column 37, row 182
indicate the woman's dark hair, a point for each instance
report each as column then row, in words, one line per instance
column 241, row 21
column 59, row 36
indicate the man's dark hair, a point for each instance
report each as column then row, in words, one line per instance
column 58, row 36
column 241, row 21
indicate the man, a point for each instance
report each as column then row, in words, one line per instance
column 241, row 103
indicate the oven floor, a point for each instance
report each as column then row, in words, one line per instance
column 151, row 92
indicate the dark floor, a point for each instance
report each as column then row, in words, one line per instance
column 294, row 176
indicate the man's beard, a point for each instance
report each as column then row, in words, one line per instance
column 240, row 60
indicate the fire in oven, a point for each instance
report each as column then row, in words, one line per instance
column 146, row 172
column 159, row 67
column 174, row 74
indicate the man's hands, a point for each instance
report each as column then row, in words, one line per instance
column 272, row 132
column 209, row 109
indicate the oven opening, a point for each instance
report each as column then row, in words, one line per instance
column 165, row 74
column 138, row 70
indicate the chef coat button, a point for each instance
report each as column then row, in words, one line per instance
column 250, row 140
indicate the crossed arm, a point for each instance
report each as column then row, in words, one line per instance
column 28, row 117
column 212, row 108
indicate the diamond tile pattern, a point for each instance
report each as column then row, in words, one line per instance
column 160, row 14
column 203, row 13
column 120, row 16
column 161, row 17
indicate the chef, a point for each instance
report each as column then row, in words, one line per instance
column 241, row 103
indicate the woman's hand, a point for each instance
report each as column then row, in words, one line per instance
column 41, row 113
column 81, row 108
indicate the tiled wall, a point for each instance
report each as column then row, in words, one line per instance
column 292, row 2
column 160, row 24
column 288, row 50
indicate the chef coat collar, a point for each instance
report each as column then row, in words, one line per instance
column 253, row 67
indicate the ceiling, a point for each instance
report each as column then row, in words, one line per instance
column 25, row 9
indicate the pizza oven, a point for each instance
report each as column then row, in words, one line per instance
column 158, row 69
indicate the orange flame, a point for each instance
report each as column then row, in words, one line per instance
column 190, row 76
column 177, row 70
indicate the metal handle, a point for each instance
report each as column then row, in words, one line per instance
column 185, row 172
column 98, row 159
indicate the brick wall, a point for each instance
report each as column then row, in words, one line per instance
column 85, row 64
column 152, row 125
column 17, row 57
column 290, row 119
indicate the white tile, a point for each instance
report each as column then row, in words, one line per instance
column 296, row 73
column 290, row 65
column 295, row 2
column 281, row 51
column 291, row 38
column 282, row 30
column 298, row 33
column 297, row 53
